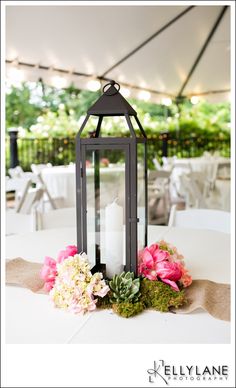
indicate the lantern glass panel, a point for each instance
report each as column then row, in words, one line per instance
column 90, row 128
column 136, row 128
column 106, row 207
column 114, row 126
column 141, row 195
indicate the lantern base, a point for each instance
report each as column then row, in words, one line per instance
column 99, row 268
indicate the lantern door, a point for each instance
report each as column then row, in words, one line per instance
column 142, row 205
column 106, row 196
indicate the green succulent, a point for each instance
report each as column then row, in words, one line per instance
column 124, row 288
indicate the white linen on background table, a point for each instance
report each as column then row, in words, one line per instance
column 60, row 181
column 31, row 318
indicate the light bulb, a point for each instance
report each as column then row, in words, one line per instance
column 125, row 92
column 94, row 85
column 59, row 82
column 166, row 101
column 194, row 100
column 144, row 95
column 15, row 76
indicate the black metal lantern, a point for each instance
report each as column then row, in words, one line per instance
column 112, row 200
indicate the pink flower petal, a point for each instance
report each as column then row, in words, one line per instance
column 153, row 248
column 50, row 261
column 171, row 283
column 147, row 259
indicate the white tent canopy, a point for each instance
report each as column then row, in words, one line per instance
column 168, row 50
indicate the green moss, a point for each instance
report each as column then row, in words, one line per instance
column 104, row 303
column 160, row 296
column 128, row 309
column 153, row 295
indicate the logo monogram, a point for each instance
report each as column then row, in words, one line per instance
column 156, row 372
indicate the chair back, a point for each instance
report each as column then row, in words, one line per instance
column 193, row 195
column 223, row 170
column 30, row 198
column 17, row 223
column 210, row 219
column 38, row 168
column 16, row 172
column 156, row 174
column 57, row 218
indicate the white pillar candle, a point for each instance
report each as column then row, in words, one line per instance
column 113, row 239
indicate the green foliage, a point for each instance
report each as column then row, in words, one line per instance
column 160, row 296
column 55, row 124
column 46, row 112
column 124, row 288
column 20, row 112
column 25, row 104
column 153, row 294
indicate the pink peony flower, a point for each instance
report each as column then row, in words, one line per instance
column 49, row 269
column 49, row 285
column 149, row 258
column 70, row 250
column 163, row 261
column 169, row 273
column 49, row 272
column 186, row 279
column 105, row 162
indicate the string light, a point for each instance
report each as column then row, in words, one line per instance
column 144, row 95
column 94, row 85
column 166, row 101
column 125, row 92
column 15, row 75
column 194, row 100
column 59, row 82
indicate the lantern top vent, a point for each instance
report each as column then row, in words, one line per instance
column 111, row 103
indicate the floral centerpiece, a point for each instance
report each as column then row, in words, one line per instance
column 160, row 284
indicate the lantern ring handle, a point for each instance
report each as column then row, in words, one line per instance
column 111, row 83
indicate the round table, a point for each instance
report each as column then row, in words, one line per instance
column 31, row 318
column 60, row 182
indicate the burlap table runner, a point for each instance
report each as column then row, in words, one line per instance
column 210, row 296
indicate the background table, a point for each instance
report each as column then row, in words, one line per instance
column 60, row 181
column 31, row 318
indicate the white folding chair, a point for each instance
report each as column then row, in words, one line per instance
column 200, row 219
column 48, row 199
column 194, row 197
column 48, row 196
column 19, row 223
column 16, row 172
column 58, row 218
column 158, row 192
column 157, row 164
column 23, row 219
column 38, row 168
column 223, row 170
column 30, row 198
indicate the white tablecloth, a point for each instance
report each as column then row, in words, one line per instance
column 31, row 318
column 60, row 182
